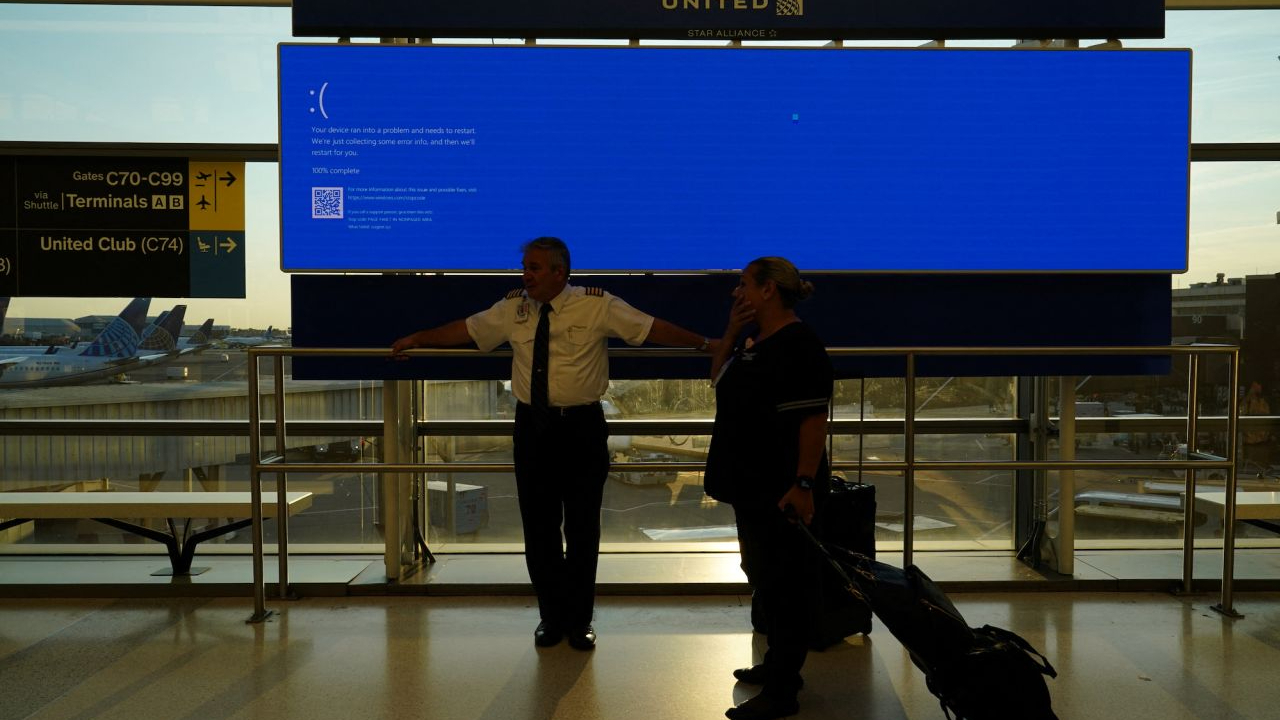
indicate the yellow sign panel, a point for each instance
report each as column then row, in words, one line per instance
column 217, row 195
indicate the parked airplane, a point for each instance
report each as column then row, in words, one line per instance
column 162, row 335
column 248, row 341
column 159, row 335
column 201, row 339
column 152, row 326
column 111, row 353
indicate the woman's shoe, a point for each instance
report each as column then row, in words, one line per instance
column 755, row 675
column 764, row 706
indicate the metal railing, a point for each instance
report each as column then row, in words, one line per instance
column 277, row 465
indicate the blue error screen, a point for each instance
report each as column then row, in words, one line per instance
column 431, row 158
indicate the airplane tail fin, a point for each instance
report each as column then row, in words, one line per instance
column 4, row 311
column 121, row 336
column 168, row 326
column 202, row 336
column 150, row 329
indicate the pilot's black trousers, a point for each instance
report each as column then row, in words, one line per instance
column 562, row 462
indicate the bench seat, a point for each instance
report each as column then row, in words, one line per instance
column 108, row 507
column 1255, row 507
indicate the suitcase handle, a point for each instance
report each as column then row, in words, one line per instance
column 850, row 585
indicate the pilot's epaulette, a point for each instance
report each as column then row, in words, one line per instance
column 593, row 291
column 515, row 293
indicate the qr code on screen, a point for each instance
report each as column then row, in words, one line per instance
column 326, row 203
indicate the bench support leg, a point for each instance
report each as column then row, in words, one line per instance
column 181, row 548
column 189, row 547
column 169, row 541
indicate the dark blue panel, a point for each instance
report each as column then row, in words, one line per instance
column 738, row 19
column 694, row 159
column 874, row 311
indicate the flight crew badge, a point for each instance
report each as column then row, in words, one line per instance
column 522, row 312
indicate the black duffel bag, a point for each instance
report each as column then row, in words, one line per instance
column 1001, row 677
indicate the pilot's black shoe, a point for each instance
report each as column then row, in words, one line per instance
column 547, row 635
column 582, row 638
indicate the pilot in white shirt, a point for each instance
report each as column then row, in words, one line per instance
column 560, row 437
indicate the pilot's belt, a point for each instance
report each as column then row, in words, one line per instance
column 565, row 411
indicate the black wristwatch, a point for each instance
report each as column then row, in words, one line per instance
column 804, row 482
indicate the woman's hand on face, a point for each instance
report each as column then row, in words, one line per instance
column 740, row 315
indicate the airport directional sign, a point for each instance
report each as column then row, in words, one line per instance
column 121, row 226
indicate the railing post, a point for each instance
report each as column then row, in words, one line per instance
column 282, row 498
column 1030, row 550
column 1024, row 447
column 1189, row 491
column 408, row 441
column 1065, row 541
column 1229, row 502
column 909, row 456
column 389, row 482
column 260, row 612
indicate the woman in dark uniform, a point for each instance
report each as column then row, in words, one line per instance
column 767, row 459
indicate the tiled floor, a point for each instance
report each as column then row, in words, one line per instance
column 453, row 640
column 1119, row 655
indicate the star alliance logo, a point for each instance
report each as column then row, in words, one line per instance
column 790, row 7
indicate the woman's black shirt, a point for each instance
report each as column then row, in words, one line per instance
column 762, row 395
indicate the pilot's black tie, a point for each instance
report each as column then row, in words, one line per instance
column 538, row 382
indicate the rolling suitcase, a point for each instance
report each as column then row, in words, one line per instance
column 986, row 673
column 847, row 519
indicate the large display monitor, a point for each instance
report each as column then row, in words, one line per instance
column 439, row 158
